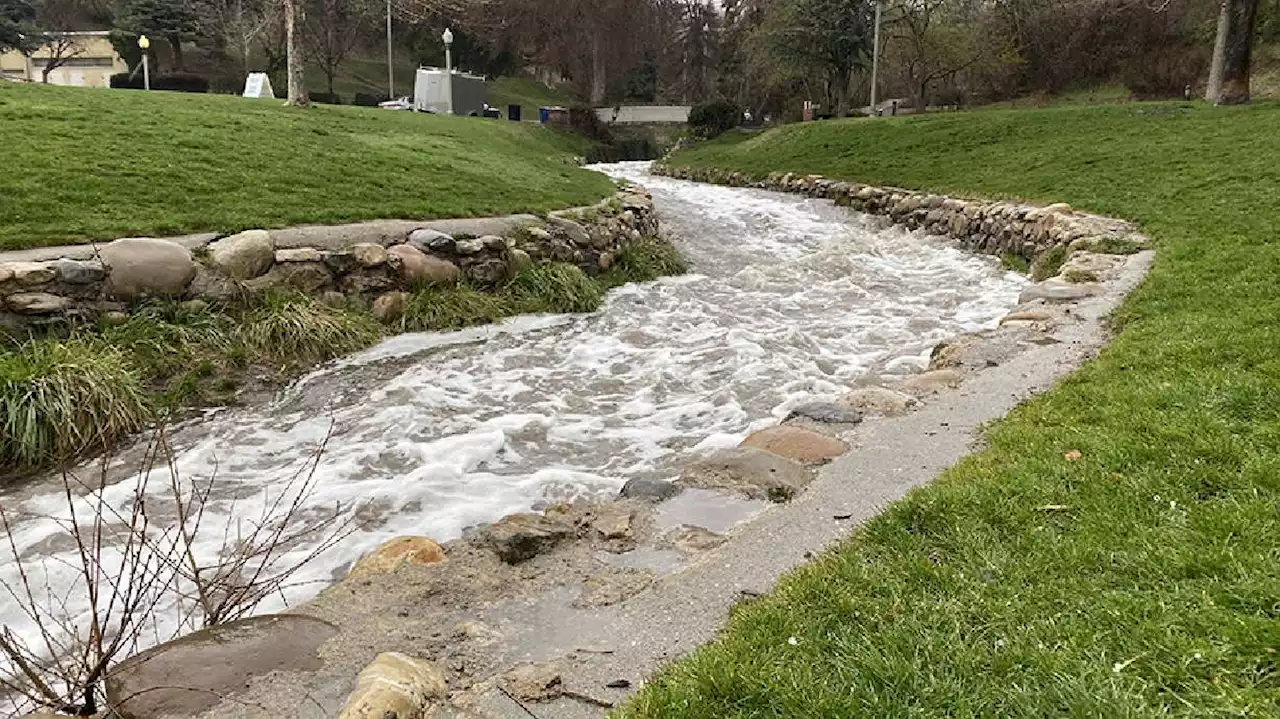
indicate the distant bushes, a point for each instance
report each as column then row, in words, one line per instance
column 364, row 99
column 173, row 82
column 713, row 119
column 325, row 98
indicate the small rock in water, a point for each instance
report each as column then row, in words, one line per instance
column 826, row 413
column 650, row 490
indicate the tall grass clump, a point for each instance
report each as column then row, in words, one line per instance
column 292, row 328
column 61, row 398
column 452, row 308
column 554, row 288
column 645, row 260
column 168, row 339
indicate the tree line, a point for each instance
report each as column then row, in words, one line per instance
column 763, row 55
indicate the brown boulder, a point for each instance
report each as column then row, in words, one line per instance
column 797, row 443
column 418, row 551
column 395, row 686
column 520, row 537
column 413, row 266
column 753, row 472
column 145, row 267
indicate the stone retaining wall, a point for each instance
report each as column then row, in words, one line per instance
column 993, row 227
column 48, row 295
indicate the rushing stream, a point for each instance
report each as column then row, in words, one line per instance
column 790, row 300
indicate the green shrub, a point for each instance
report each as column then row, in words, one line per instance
column 166, row 339
column 1049, row 263
column 554, row 288
column 60, row 398
column 292, row 328
column 713, row 119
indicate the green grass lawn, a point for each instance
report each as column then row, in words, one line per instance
column 86, row 164
column 1155, row 590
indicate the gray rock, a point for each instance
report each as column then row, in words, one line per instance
column 81, row 272
column 191, row 675
column 472, row 246
column 825, row 413
column 538, row 234
column 216, row 286
column 6, row 273
column 649, row 490
column 432, row 241
column 692, row 539
column 244, row 256
column 300, row 254
column 1056, row 290
column 753, row 472
column 341, row 263
column 494, row 243
column 520, row 537
column 368, row 282
column 144, row 267
column 31, row 274
column 308, row 277
column 576, row 233
column 880, row 400
column 391, row 306
column 489, row 272
column 36, row 303
column 413, row 266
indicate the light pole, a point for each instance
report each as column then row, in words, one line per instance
column 144, row 43
column 875, row 60
column 391, row 73
column 447, row 37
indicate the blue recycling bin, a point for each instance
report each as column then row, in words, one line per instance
column 544, row 115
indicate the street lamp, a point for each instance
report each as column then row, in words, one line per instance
column 447, row 37
column 391, row 73
column 144, row 43
column 875, row 61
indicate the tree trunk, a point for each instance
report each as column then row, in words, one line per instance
column 1237, row 56
column 175, row 42
column 296, row 69
column 597, row 73
column 1219, row 50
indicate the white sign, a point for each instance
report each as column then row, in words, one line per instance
column 258, row 85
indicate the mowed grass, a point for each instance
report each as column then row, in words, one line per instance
column 84, row 164
column 1141, row 579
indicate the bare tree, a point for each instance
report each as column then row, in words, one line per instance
column 1237, row 51
column 332, row 31
column 237, row 25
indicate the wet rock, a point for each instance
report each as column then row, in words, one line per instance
column 576, row 233
column 395, row 686
column 415, row 267
column 933, row 382
column 753, row 472
column 300, row 254
column 692, row 539
column 796, row 443
column 145, row 267
column 428, row 241
column 825, row 413
column 369, row 254
column 649, row 490
column 80, row 272
column 880, row 400
column 391, row 306
column 30, row 274
column 520, row 537
column 36, row 303
column 244, row 256
column 398, row 552
column 612, row 586
column 535, row 682
column 186, row 677
column 1059, row 290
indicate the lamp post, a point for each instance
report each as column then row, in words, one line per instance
column 144, row 43
column 875, row 61
column 447, row 37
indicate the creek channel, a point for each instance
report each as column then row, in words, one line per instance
column 789, row 300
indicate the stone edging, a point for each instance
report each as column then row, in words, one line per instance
column 450, row 652
column 366, row 262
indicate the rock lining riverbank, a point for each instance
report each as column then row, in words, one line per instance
column 560, row 613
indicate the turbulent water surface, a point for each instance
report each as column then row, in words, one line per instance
column 790, row 300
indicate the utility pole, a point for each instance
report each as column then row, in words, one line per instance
column 391, row 73
column 875, row 59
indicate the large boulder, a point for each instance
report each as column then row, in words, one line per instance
column 244, row 256
column 749, row 471
column 401, row 551
column 416, row 267
column 144, row 267
column 395, row 686
column 191, row 675
column 797, row 443
column 520, row 537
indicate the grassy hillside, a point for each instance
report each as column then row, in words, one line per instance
column 1155, row 590
column 92, row 164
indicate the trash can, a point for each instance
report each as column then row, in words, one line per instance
column 544, row 115
column 514, row 113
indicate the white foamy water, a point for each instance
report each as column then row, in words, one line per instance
column 790, row 300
